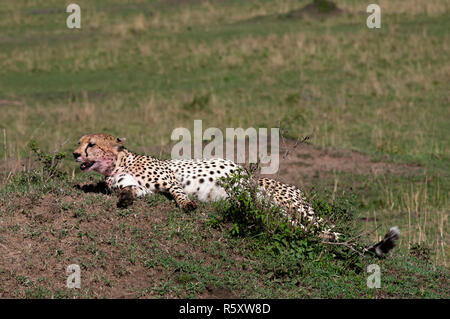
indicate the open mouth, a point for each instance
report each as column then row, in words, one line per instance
column 84, row 166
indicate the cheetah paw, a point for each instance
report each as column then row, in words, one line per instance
column 191, row 205
column 125, row 199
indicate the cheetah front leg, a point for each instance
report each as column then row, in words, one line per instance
column 126, row 197
column 128, row 187
column 128, row 194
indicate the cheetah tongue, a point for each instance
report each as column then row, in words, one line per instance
column 86, row 165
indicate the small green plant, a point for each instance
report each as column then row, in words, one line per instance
column 253, row 215
column 249, row 211
column 50, row 163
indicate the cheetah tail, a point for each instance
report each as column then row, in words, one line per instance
column 387, row 243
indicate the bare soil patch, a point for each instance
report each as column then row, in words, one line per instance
column 40, row 237
column 306, row 162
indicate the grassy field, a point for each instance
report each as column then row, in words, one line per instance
column 374, row 101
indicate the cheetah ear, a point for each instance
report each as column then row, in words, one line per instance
column 121, row 140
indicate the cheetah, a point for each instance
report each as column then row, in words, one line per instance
column 133, row 175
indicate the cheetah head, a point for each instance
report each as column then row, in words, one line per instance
column 98, row 152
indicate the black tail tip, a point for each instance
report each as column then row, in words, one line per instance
column 387, row 243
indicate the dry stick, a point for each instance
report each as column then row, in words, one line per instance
column 4, row 142
column 9, row 175
column 365, row 233
column 348, row 242
column 345, row 243
column 303, row 140
column 300, row 140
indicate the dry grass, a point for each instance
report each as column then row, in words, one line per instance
column 421, row 212
column 414, row 7
column 405, row 74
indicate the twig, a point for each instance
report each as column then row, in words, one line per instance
column 4, row 143
column 348, row 242
column 366, row 233
column 300, row 140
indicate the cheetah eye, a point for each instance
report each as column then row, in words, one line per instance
column 91, row 144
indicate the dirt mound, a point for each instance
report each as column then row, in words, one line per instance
column 316, row 9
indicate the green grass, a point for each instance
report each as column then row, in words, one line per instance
column 139, row 69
